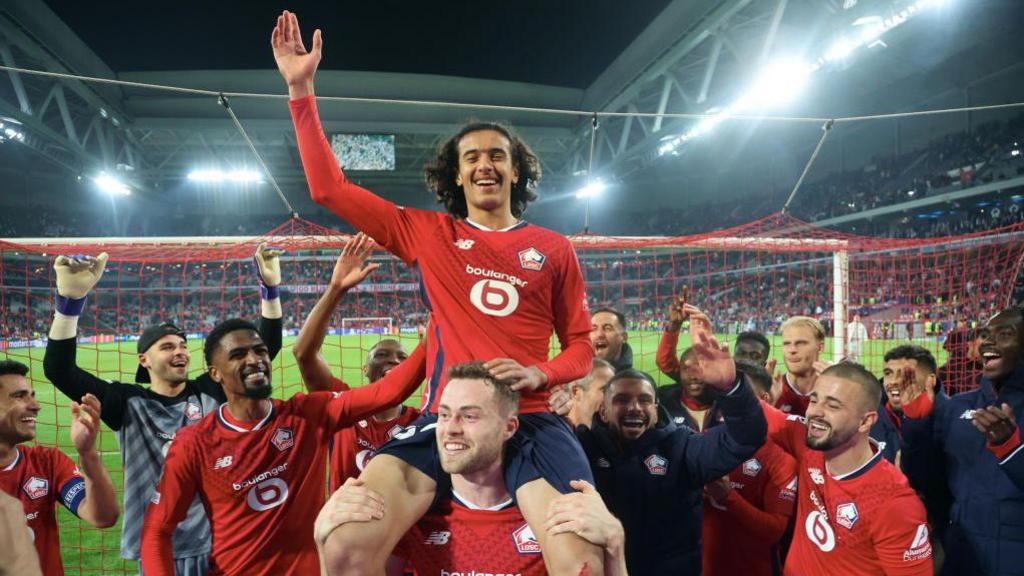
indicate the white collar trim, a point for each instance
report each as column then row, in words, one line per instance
column 220, row 413
column 17, row 458
column 876, row 455
column 471, row 506
column 486, row 229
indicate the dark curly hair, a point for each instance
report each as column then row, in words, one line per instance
column 440, row 174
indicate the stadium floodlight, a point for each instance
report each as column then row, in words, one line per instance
column 216, row 176
column 10, row 129
column 111, row 185
column 592, row 189
column 778, row 83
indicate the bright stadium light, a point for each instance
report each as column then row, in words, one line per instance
column 216, row 176
column 591, row 190
column 10, row 129
column 111, row 185
column 781, row 80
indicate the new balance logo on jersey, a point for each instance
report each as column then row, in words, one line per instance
column 921, row 547
column 603, row 463
column 464, row 243
column 438, row 538
column 36, row 487
column 968, row 415
column 222, row 462
column 283, row 439
column 532, row 259
column 526, row 541
column 816, row 476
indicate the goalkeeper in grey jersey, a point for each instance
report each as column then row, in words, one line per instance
column 146, row 419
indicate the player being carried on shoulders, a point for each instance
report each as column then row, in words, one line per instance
column 497, row 288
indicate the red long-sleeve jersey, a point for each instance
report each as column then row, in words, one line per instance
column 492, row 294
column 40, row 477
column 791, row 401
column 262, row 483
column 454, row 539
column 868, row 521
column 741, row 533
column 354, row 446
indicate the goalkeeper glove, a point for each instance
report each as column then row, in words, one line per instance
column 268, row 268
column 76, row 276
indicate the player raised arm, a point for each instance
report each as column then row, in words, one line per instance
column 667, row 358
column 715, row 453
column 381, row 219
column 76, row 276
column 99, row 506
column 348, row 272
column 271, row 324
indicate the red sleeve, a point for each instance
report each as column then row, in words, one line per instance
column 765, row 526
column 901, row 538
column 780, row 489
column 386, row 223
column 168, row 507
column 338, row 385
column 920, row 408
column 347, row 408
column 572, row 324
column 666, row 358
column 786, row 430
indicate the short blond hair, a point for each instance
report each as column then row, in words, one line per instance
column 805, row 322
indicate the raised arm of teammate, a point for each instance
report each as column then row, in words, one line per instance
column 328, row 186
column 99, row 507
column 348, row 272
column 75, row 278
column 271, row 324
column 667, row 358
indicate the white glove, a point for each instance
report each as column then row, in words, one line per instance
column 76, row 276
column 268, row 264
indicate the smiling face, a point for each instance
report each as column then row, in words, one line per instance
column 167, row 360
column 1001, row 344
column 18, row 409
column 892, row 373
column 607, row 336
column 471, row 427
column 836, row 414
column 241, row 365
column 629, row 407
column 486, row 172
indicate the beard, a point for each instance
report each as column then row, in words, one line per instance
column 830, row 441
column 258, row 391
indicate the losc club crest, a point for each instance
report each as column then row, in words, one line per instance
column 193, row 412
column 751, row 467
column 846, row 515
column 36, row 487
column 531, row 259
column 656, row 465
column 526, row 541
column 283, row 439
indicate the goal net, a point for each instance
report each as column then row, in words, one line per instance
column 750, row 277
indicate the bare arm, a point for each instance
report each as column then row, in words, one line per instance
column 99, row 508
column 349, row 271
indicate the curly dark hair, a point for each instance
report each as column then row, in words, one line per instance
column 440, row 174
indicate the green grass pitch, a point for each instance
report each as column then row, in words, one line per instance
column 89, row 551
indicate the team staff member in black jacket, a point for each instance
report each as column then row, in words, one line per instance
column 652, row 473
column 146, row 419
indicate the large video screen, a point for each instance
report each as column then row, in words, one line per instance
column 364, row 151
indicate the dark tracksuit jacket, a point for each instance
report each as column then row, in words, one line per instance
column 654, row 484
column 985, row 536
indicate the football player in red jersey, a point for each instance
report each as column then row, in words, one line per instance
column 803, row 341
column 497, row 287
column 856, row 513
column 258, row 464
column 355, row 445
column 478, row 529
column 747, row 512
column 40, row 476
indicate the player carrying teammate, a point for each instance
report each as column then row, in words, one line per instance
column 497, row 288
column 478, row 529
column 146, row 419
column 257, row 464
column 41, row 476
